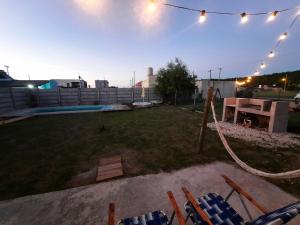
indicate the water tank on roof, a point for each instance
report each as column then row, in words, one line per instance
column 150, row 71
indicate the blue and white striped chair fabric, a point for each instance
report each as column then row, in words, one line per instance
column 279, row 216
column 216, row 208
column 152, row 218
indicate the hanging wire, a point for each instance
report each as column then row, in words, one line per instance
column 279, row 41
column 226, row 13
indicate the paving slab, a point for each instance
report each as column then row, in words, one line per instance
column 133, row 196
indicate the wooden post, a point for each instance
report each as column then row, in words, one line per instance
column 117, row 95
column 195, row 92
column 12, row 97
column 38, row 97
column 59, row 96
column 205, row 118
column 98, row 95
column 133, row 93
column 79, row 96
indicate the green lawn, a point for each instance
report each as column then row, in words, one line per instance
column 42, row 154
column 277, row 95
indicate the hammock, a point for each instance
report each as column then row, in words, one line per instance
column 283, row 175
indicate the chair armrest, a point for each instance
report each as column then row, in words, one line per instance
column 111, row 214
column 194, row 203
column 177, row 211
column 239, row 190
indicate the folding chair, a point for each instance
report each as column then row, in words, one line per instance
column 152, row 218
column 213, row 209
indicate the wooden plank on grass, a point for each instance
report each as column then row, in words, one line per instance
column 109, row 167
column 110, row 160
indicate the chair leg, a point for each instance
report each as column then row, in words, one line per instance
column 245, row 207
column 229, row 195
column 172, row 218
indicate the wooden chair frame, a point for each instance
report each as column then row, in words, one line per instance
column 242, row 193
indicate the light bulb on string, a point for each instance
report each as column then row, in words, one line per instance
column 272, row 16
column 244, row 18
column 283, row 36
column 256, row 73
column 202, row 17
column 271, row 54
column 263, row 65
column 152, row 6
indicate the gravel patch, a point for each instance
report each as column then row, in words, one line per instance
column 257, row 137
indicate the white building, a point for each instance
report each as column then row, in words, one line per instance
column 150, row 82
column 227, row 88
column 101, row 84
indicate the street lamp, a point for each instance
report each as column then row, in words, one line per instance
column 285, row 82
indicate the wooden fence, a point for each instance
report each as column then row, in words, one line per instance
column 19, row 98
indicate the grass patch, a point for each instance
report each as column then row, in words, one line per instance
column 277, row 94
column 42, row 154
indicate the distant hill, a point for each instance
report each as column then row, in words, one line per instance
column 293, row 79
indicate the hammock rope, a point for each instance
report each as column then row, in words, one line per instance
column 283, row 175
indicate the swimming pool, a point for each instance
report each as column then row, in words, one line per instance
column 73, row 108
column 68, row 109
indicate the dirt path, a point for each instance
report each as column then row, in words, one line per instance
column 89, row 205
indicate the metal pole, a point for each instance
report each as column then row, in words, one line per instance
column 7, row 69
column 195, row 92
column 205, row 118
column 285, row 81
column 220, row 70
column 210, row 76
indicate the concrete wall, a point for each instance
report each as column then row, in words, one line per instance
column 227, row 88
column 18, row 98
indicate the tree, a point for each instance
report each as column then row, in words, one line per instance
column 175, row 82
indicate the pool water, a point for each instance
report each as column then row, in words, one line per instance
column 73, row 108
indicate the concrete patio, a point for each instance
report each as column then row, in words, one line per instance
column 89, row 205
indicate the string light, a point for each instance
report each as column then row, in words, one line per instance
column 256, row 73
column 240, row 83
column 244, row 18
column 249, row 78
column 202, row 17
column 263, row 65
column 152, row 6
column 283, row 36
column 271, row 54
column 272, row 16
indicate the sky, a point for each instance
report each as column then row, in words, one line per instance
column 112, row 39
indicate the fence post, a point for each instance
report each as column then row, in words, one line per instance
column 98, row 95
column 205, row 118
column 117, row 94
column 12, row 97
column 37, row 96
column 79, row 96
column 59, row 96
